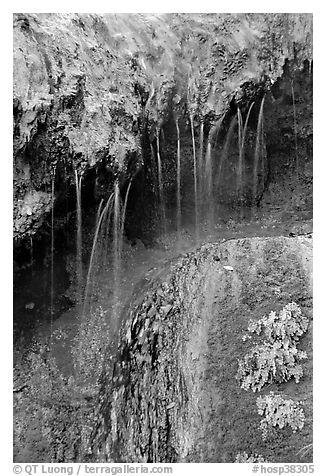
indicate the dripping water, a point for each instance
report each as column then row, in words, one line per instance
column 225, row 151
column 120, row 210
column 246, row 127
column 52, row 254
column 239, row 177
column 31, row 255
column 123, row 219
column 295, row 131
column 178, row 178
column 116, row 251
column 100, row 215
column 242, row 130
column 160, row 181
column 110, row 221
column 195, row 175
column 79, row 263
column 66, row 218
column 208, row 175
column 258, row 150
column 201, row 170
column 96, row 183
column 208, row 182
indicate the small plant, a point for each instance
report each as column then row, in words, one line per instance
column 287, row 326
column 279, row 412
column 277, row 359
column 269, row 363
column 253, row 458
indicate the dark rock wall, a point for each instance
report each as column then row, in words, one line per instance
column 86, row 87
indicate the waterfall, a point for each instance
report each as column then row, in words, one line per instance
column 208, row 175
column 201, row 170
column 178, row 178
column 31, row 255
column 295, row 131
column 240, row 165
column 109, row 222
column 208, row 182
column 246, row 127
column 123, row 219
column 66, row 203
column 225, row 151
column 195, row 175
column 242, row 130
column 116, row 250
column 258, row 149
column 79, row 262
column 160, row 181
column 52, row 253
column 102, row 215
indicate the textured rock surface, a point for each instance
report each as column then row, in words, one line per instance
column 83, row 84
column 173, row 396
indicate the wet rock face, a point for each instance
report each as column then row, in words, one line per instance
column 85, row 84
column 171, row 395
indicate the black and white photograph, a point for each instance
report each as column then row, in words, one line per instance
column 162, row 241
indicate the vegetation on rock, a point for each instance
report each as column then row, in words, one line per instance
column 279, row 412
column 253, row 458
column 277, row 359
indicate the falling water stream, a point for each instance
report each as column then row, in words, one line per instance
column 258, row 150
column 99, row 220
column 52, row 253
column 66, row 218
column 242, row 130
column 295, row 131
column 225, row 151
column 240, row 164
column 116, row 249
column 208, row 181
column 178, row 178
column 201, row 171
column 109, row 222
column 160, row 181
column 208, row 173
column 124, row 211
column 79, row 262
column 245, row 128
column 195, row 176
column 31, row 256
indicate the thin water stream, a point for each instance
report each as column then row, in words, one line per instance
column 52, row 252
column 178, row 220
column 295, row 131
column 160, row 181
column 242, row 130
column 240, row 163
column 116, row 249
column 195, row 177
column 201, row 165
column 79, row 225
column 258, row 152
column 99, row 220
column 31, row 256
column 225, row 151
